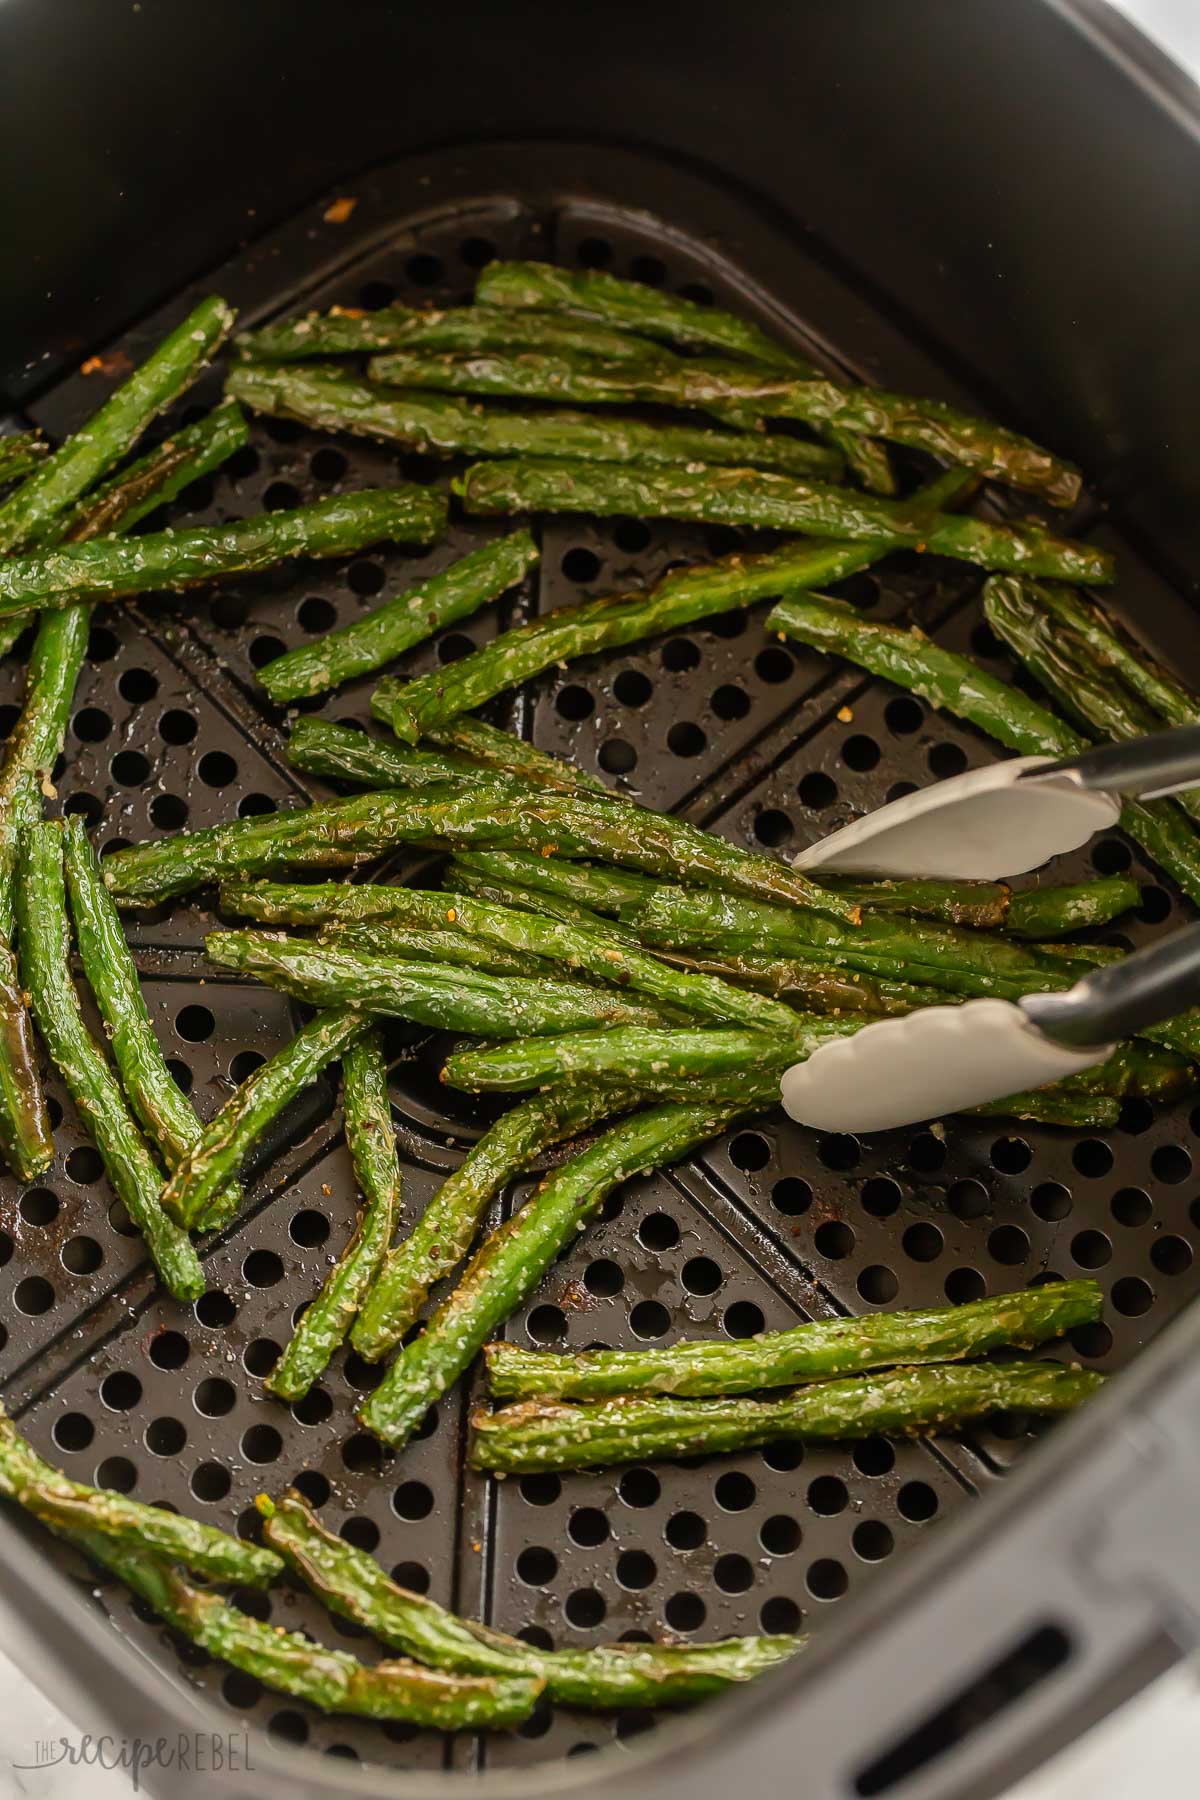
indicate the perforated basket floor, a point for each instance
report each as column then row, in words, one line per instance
column 766, row 743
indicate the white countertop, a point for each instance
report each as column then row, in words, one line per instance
column 1149, row 1747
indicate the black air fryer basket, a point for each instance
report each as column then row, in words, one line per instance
column 993, row 204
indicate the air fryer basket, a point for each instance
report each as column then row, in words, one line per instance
column 766, row 743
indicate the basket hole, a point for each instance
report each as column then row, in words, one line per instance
column 872, row 1540
column 587, row 1526
column 364, row 579
column 961, row 1286
column 922, row 1242
column 574, row 703
column 84, row 1165
column 749, row 1152
column 314, row 1407
column 685, row 738
column 743, row 1319
column 616, row 757
column 585, row 1608
column 412, row 1500
column 1170, row 1163
column 650, row 1319
column 165, row 1437
column 1010, row 1155
column 74, row 1431
column 137, row 686
column 540, row 1490
column 263, row 1268
column 81, row 1256
column 260, row 1356
column 780, row 1535
column 874, row 1456
column 92, row 725
column 860, row 753
column 217, row 769
column 593, row 253
column 779, row 1616
column 536, row 1565
column 313, row 1485
column 1091, row 1249
column 946, row 760
column 880, row 1196
column 903, row 716
column 328, row 465
column 1092, row 1158
column 118, row 1473
column 603, row 1278
column 631, row 536
column 817, row 791
column 363, row 1455
column 635, row 1569
column 177, row 727
column 791, row 1196
column 878, row 1285
column 424, row 269
column 1051, row 1201
column 211, row 1482
column 658, row 1231
column 361, row 1534
column 772, row 828
column 309, row 1228
column 121, row 1390
column 639, row 1487
column 316, row 614
column 39, row 1207
column 580, row 564
column 701, row 1275
column 685, row 1531
column 833, row 1239
column 216, row 1310
column 916, row 1502
column 546, row 1324
column 632, row 688
column 679, row 655
column 685, row 1611
column 261, row 1444
column 734, row 1491
column 215, row 1397
column 1171, row 1256
column 774, row 664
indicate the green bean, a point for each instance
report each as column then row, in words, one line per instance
column 159, row 1103
column 75, row 465
column 444, row 1232
column 388, row 630
column 354, row 1586
column 996, row 707
column 513, row 1259
column 44, row 939
column 372, row 1143
column 107, row 569
column 448, row 999
column 917, row 423
column 762, row 498
column 20, row 454
column 534, row 1435
column 422, row 707
column 68, row 1505
column 824, row 1349
column 667, row 1063
column 434, row 424
column 290, row 1663
column 347, row 331
column 217, row 1154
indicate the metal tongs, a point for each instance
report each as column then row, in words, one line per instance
column 986, row 824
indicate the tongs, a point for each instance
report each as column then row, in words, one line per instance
column 985, row 824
